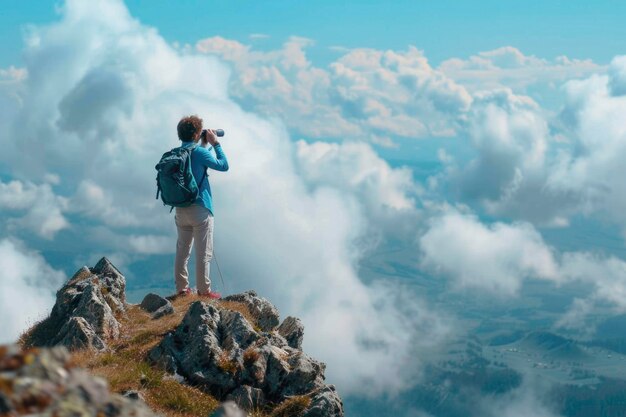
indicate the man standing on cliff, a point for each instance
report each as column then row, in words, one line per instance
column 195, row 223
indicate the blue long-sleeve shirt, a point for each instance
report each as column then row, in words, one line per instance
column 201, row 159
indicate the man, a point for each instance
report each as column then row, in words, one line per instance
column 195, row 223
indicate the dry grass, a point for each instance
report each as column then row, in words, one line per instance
column 251, row 355
column 226, row 364
column 292, row 407
column 25, row 339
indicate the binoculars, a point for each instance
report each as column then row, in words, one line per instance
column 218, row 133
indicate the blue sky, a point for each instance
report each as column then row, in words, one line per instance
column 576, row 28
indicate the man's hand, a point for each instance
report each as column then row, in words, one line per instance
column 209, row 138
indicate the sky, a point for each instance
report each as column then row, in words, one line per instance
column 484, row 140
column 578, row 29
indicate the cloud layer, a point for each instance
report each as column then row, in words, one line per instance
column 499, row 258
column 365, row 94
column 27, row 288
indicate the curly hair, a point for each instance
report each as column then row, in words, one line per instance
column 188, row 127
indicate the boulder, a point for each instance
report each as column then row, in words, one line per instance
column 114, row 283
column 292, row 330
column 133, row 395
column 84, row 314
column 325, row 402
column 264, row 312
column 157, row 306
column 77, row 333
column 247, row 397
column 41, row 382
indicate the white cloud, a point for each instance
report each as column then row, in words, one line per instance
column 515, row 151
column 12, row 75
column 606, row 278
column 355, row 167
column 33, row 207
column 290, row 239
column 151, row 244
column 497, row 258
column 366, row 94
column 574, row 318
column 617, row 76
column 27, row 288
column 500, row 257
column 509, row 67
column 533, row 166
column 526, row 401
column 255, row 36
column 510, row 137
column 593, row 166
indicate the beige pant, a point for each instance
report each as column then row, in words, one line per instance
column 195, row 225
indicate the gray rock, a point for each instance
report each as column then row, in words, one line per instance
column 207, row 348
column 306, row 374
column 166, row 310
column 78, row 334
column 325, row 402
column 157, row 305
column 162, row 355
column 94, row 308
column 84, row 314
column 133, row 395
column 276, row 372
column 43, row 384
column 292, row 330
column 229, row 409
column 152, row 302
column 238, row 331
column 247, row 397
column 218, row 349
column 261, row 309
column 113, row 281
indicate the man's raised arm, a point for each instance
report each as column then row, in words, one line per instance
column 217, row 162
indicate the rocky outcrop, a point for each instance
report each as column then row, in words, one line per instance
column 324, row 402
column 41, row 382
column 264, row 312
column 85, row 311
column 157, row 306
column 219, row 350
column 293, row 331
column 235, row 349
